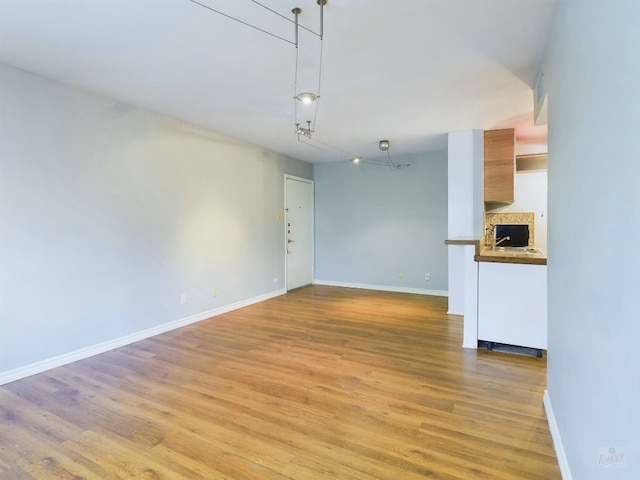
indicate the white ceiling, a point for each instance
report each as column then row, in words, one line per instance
column 405, row 70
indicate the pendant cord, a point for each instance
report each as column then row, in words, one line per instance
column 241, row 21
column 296, row 12
column 315, row 117
column 286, row 18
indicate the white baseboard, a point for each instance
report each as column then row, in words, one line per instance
column 563, row 463
column 64, row 359
column 383, row 288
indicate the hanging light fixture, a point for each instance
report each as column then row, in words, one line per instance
column 307, row 98
column 383, row 145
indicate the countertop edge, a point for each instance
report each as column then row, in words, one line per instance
column 465, row 241
column 521, row 259
column 482, row 255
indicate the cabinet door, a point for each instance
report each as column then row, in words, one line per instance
column 512, row 304
column 499, row 166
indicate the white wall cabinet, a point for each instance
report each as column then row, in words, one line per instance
column 512, row 304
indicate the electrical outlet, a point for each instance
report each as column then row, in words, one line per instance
column 275, row 280
column 214, row 292
column 183, row 298
column 400, row 274
column 427, row 276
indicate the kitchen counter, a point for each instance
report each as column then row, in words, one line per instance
column 507, row 255
column 512, row 303
column 502, row 293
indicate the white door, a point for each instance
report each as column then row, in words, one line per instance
column 298, row 197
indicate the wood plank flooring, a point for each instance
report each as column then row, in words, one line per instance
column 322, row 383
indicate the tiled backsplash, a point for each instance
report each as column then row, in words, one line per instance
column 521, row 218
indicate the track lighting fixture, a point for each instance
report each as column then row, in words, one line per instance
column 383, row 145
column 305, row 98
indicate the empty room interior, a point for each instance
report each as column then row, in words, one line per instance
column 319, row 239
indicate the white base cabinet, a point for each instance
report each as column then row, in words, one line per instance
column 512, row 304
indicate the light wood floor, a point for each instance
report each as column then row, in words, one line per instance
column 322, row 383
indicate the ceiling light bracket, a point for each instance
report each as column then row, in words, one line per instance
column 305, row 132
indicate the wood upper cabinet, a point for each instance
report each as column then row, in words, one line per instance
column 499, row 166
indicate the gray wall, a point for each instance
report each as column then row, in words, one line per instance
column 372, row 221
column 109, row 213
column 592, row 69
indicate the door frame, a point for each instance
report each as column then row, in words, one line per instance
column 286, row 220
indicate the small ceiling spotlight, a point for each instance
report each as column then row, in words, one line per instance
column 383, row 145
column 307, row 97
column 356, row 159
